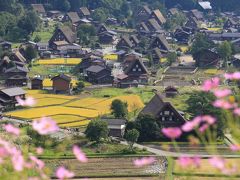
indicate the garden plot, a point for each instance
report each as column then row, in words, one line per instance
column 59, row 61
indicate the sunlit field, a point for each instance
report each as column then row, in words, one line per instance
column 48, row 82
column 59, row 61
column 111, row 57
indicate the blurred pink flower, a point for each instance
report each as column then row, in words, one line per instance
column 30, row 101
column 237, row 111
column 63, row 173
column 12, row 129
column 3, row 152
column 217, row 162
column 210, row 84
column 233, row 76
column 17, row 159
column 189, row 161
column 203, row 128
column 39, row 163
column 45, row 126
column 208, row 119
column 220, row 103
column 188, row 126
column 235, row 147
column 79, row 154
column 172, row 132
column 144, row 161
column 221, row 93
column 39, row 150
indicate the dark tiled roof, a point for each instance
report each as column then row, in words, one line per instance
column 115, row 121
column 131, row 64
column 73, row 16
column 95, row 68
column 13, row 91
column 197, row 14
column 85, row 11
column 62, row 76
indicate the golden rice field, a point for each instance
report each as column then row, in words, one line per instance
column 111, row 57
column 75, row 113
column 53, row 110
column 63, row 119
column 75, row 124
column 214, row 29
column 184, row 48
column 59, row 61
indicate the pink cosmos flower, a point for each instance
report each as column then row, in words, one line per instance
column 12, row 129
column 208, row 119
column 17, row 159
column 63, row 173
column 189, row 161
column 172, row 133
column 39, row 150
column 30, row 101
column 188, row 126
column 221, row 93
column 220, row 103
column 217, row 162
column 233, row 76
column 203, row 128
column 144, row 161
column 45, row 126
column 235, row 147
column 210, row 84
column 79, row 154
column 237, row 111
column 40, row 164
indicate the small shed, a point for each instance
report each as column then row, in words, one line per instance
column 171, row 91
column 62, row 84
column 116, row 127
column 36, row 83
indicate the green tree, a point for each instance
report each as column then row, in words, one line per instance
column 119, row 108
column 30, row 53
column 171, row 58
column 132, row 136
column 86, row 33
column 225, row 51
column 100, row 14
column 200, row 103
column 200, row 43
column 80, row 86
column 148, row 128
column 97, row 130
column 37, row 38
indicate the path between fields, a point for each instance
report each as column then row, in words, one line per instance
column 160, row 152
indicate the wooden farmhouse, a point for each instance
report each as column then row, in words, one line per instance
column 5, row 45
column 116, row 127
column 143, row 13
column 84, row 12
column 36, row 83
column 171, row 91
column 62, row 84
column 8, row 97
column 207, row 58
column 71, row 17
column 164, row 112
column 161, row 43
column 62, row 34
column 16, row 76
column 157, row 15
column 97, row 74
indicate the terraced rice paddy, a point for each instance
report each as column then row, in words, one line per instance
column 70, row 111
column 59, row 61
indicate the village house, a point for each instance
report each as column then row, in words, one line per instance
column 153, row 25
column 62, row 84
column 164, row 112
column 172, row 12
column 196, row 14
column 39, row 9
column 142, row 28
column 97, row 74
column 171, row 91
column 143, row 13
column 182, row 37
column 157, row 15
column 125, row 43
column 116, row 127
column 106, row 36
column 53, row 14
column 88, row 61
column 8, row 97
column 192, row 23
column 5, row 45
column 124, row 23
column 231, row 23
column 161, row 43
column 205, row 6
column 224, row 36
column 156, row 55
column 63, row 34
column 37, row 83
column 71, row 17
column 16, row 76
column 207, row 58
column 84, row 12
